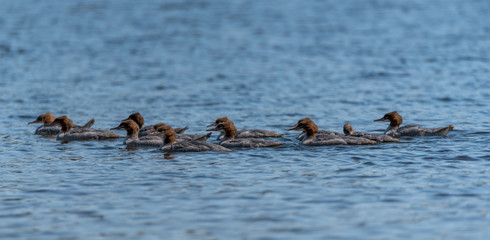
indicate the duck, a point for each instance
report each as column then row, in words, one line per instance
column 138, row 118
column 48, row 128
column 349, row 131
column 69, row 133
column 319, row 134
column 312, row 138
column 182, row 136
column 394, row 129
column 230, row 141
column 246, row 133
column 133, row 140
column 171, row 145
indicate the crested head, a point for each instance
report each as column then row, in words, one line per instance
column 130, row 126
column 46, row 118
column 219, row 121
column 65, row 122
column 136, row 117
column 169, row 134
column 306, row 125
column 222, row 120
column 228, row 128
column 393, row 117
column 348, row 130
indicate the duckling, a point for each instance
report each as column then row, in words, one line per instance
column 171, row 145
column 48, row 128
column 230, row 132
column 312, row 139
column 183, row 137
column 138, row 118
column 349, row 131
column 132, row 139
column 395, row 130
column 246, row 133
column 69, row 133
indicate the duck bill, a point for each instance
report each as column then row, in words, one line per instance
column 213, row 129
column 35, row 121
column 381, row 120
column 294, row 128
column 211, row 125
column 116, row 128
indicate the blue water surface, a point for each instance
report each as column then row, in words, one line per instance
column 264, row 64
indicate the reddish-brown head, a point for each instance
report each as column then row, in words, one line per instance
column 137, row 118
column 130, row 126
column 46, row 118
column 393, row 117
column 348, row 130
column 219, row 121
column 306, row 125
column 169, row 134
column 227, row 127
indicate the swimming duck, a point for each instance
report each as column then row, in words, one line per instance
column 349, row 131
column 246, row 133
column 171, row 145
column 182, row 136
column 69, row 133
column 138, row 118
column 313, row 139
column 230, row 132
column 132, row 138
column 395, row 130
column 48, row 128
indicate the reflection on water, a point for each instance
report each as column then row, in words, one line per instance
column 264, row 65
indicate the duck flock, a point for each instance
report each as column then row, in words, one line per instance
column 169, row 139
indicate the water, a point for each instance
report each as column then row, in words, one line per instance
column 264, row 64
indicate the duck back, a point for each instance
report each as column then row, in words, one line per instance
column 193, row 146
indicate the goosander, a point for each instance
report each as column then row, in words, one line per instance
column 229, row 140
column 246, row 133
column 313, row 139
column 395, row 130
column 69, row 133
column 132, row 139
column 48, row 128
column 183, row 137
column 349, row 131
column 171, row 145
column 138, row 118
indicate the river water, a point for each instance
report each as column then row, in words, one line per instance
column 264, row 64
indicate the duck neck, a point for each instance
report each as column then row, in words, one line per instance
column 396, row 120
column 169, row 137
column 309, row 137
column 230, row 131
column 310, row 130
column 391, row 129
column 66, row 126
column 131, row 135
column 394, row 124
